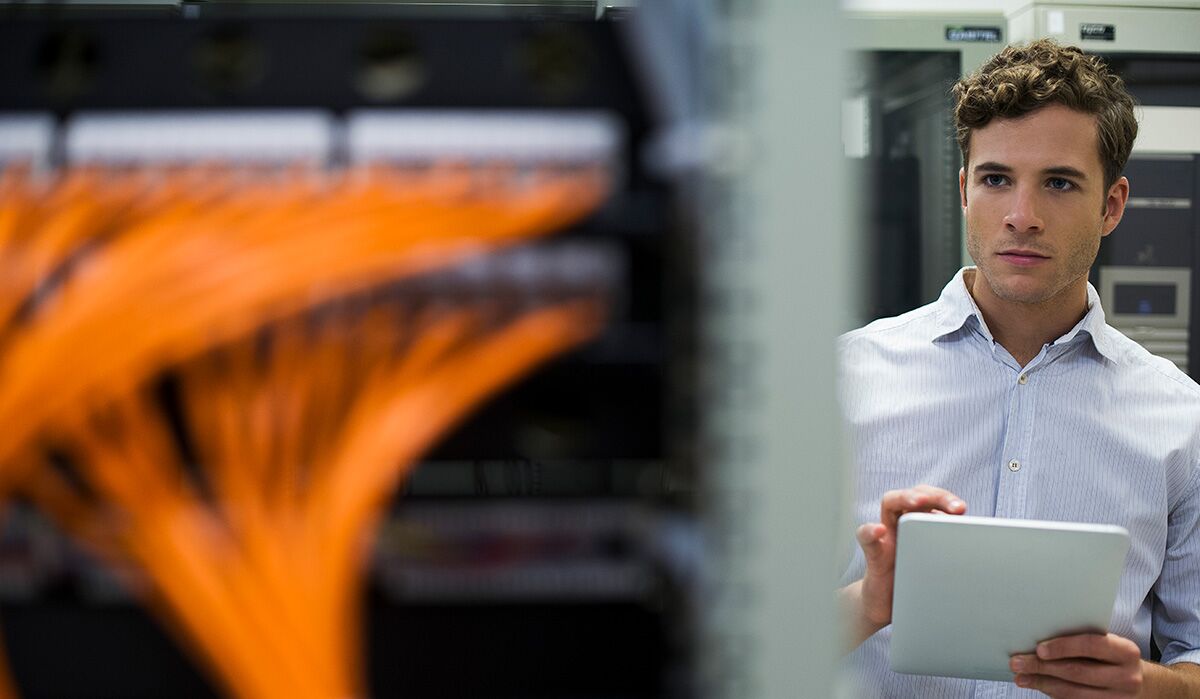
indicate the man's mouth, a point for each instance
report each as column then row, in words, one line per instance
column 1023, row 258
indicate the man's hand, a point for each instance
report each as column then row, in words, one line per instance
column 1085, row 666
column 868, row 602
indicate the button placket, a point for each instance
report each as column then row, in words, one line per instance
column 1014, row 449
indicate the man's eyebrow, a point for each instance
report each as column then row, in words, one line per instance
column 1057, row 170
column 1065, row 171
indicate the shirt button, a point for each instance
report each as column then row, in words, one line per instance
column 1023, row 379
column 1014, row 465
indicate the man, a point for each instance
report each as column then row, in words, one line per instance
column 1010, row 395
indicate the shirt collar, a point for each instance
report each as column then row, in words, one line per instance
column 957, row 310
column 1093, row 325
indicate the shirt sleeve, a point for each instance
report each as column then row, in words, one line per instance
column 1177, row 592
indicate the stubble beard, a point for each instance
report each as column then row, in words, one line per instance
column 1070, row 268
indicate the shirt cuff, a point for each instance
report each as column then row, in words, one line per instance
column 1187, row 656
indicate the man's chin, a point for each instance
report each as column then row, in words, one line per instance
column 1023, row 290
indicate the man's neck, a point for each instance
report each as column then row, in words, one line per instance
column 1023, row 328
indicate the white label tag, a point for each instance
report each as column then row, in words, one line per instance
column 1055, row 22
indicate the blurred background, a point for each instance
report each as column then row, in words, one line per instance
column 654, row 510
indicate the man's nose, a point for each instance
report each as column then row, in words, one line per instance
column 1022, row 214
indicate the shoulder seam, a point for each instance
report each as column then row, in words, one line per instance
column 933, row 310
column 1179, row 378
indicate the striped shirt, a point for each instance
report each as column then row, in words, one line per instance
column 1093, row 429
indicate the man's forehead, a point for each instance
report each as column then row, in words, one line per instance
column 1050, row 137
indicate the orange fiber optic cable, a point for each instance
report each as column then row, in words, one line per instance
column 264, row 587
column 306, row 389
column 166, row 292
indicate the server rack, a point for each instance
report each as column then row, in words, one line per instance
column 900, row 136
column 585, row 465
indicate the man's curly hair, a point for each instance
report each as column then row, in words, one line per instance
column 1023, row 79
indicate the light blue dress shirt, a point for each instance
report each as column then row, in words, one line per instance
column 1093, row 429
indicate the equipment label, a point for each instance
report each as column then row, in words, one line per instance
column 973, row 34
column 1098, row 32
column 1159, row 203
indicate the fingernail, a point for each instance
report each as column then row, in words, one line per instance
column 955, row 504
column 1043, row 651
column 1017, row 664
column 1022, row 680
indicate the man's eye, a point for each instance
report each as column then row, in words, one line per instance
column 994, row 180
column 1059, row 184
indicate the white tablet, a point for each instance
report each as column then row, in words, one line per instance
column 972, row 591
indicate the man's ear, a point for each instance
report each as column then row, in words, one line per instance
column 962, row 188
column 1114, row 205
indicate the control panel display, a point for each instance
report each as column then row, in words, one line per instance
column 1145, row 299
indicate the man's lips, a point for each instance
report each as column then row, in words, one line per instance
column 1023, row 258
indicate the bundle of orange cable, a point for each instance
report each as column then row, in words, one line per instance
column 305, row 382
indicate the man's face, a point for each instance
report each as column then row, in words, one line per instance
column 1036, row 206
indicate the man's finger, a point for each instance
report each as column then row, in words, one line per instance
column 1059, row 689
column 922, row 498
column 1107, row 647
column 1081, row 671
column 870, row 537
column 935, row 491
column 869, row 534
